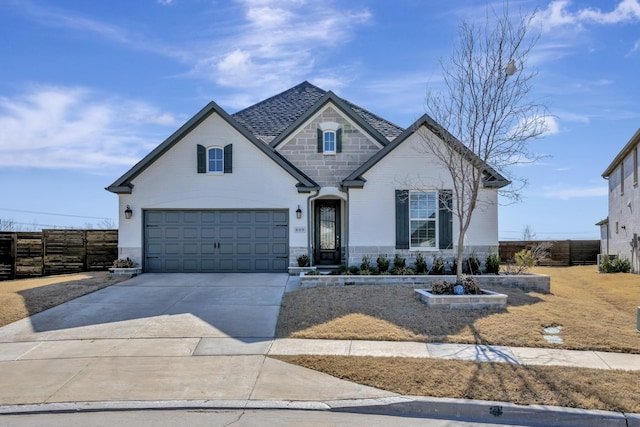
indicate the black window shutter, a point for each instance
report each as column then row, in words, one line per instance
column 339, row 141
column 228, row 158
column 202, row 159
column 446, row 219
column 320, row 141
column 402, row 219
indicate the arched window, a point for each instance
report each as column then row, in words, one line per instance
column 215, row 160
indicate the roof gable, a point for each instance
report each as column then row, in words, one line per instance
column 269, row 119
column 123, row 185
column 493, row 178
column 342, row 107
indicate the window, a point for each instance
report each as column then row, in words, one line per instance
column 423, row 219
column 622, row 178
column 329, row 139
column 215, row 160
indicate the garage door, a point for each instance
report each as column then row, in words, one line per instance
column 217, row 241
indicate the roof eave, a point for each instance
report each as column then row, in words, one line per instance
column 635, row 140
column 121, row 189
column 354, row 183
column 124, row 182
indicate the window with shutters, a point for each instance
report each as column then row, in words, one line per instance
column 329, row 141
column 329, row 138
column 215, row 160
column 423, row 219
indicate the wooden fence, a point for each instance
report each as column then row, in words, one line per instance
column 562, row 253
column 30, row 254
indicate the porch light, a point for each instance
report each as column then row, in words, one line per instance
column 128, row 212
column 298, row 212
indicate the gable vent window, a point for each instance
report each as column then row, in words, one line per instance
column 329, row 138
column 215, row 160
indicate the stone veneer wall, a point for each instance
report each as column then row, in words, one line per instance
column 527, row 282
column 328, row 170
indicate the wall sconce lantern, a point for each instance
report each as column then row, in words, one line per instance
column 298, row 212
column 128, row 212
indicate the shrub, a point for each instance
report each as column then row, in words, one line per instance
column 343, row 270
column 403, row 271
column 437, row 267
column 399, row 261
column 471, row 265
column 492, row 264
column 470, row 285
column 366, row 263
column 303, row 261
column 527, row 258
column 124, row 263
column 383, row 263
column 615, row 265
column 354, row 269
column 441, row 287
column 421, row 264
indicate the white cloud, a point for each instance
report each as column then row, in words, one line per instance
column 557, row 14
column 75, row 128
column 634, row 49
column 277, row 45
column 576, row 192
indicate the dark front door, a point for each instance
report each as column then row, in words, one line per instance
column 327, row 232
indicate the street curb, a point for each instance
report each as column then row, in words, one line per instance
column 404, row 406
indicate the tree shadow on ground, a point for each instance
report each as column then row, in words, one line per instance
column 390, row 313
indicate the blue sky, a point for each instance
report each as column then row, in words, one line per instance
column 87, row 88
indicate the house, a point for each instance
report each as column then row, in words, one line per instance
column 304, row 172
column 620, row 231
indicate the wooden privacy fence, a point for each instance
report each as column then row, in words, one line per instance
column 29, row 254
column 562, row 253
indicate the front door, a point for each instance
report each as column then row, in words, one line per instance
column 327, row 232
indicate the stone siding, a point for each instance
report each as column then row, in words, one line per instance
column 328, row 170
column 527, row 282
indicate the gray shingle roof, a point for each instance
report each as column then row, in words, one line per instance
column 269, row 118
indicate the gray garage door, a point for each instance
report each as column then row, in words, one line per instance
column 217, row 241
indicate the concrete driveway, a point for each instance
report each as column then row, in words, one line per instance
column 241, row 306
column 161, row 338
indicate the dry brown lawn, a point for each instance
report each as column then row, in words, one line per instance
column 524, row 385
column 596, row 312
column 25, row 297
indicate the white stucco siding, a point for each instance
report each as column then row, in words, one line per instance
column 372, row 208
column 172, row 182
column 624, row 209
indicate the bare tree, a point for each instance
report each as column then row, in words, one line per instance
column 7, row 225
column 528, row 233
column 485, row 115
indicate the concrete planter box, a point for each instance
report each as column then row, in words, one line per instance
column 296, row 271
column 487, row 299
column 133, row 271
column 527, row 282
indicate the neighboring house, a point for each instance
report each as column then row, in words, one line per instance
column 303, row 172
column 620, row 231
